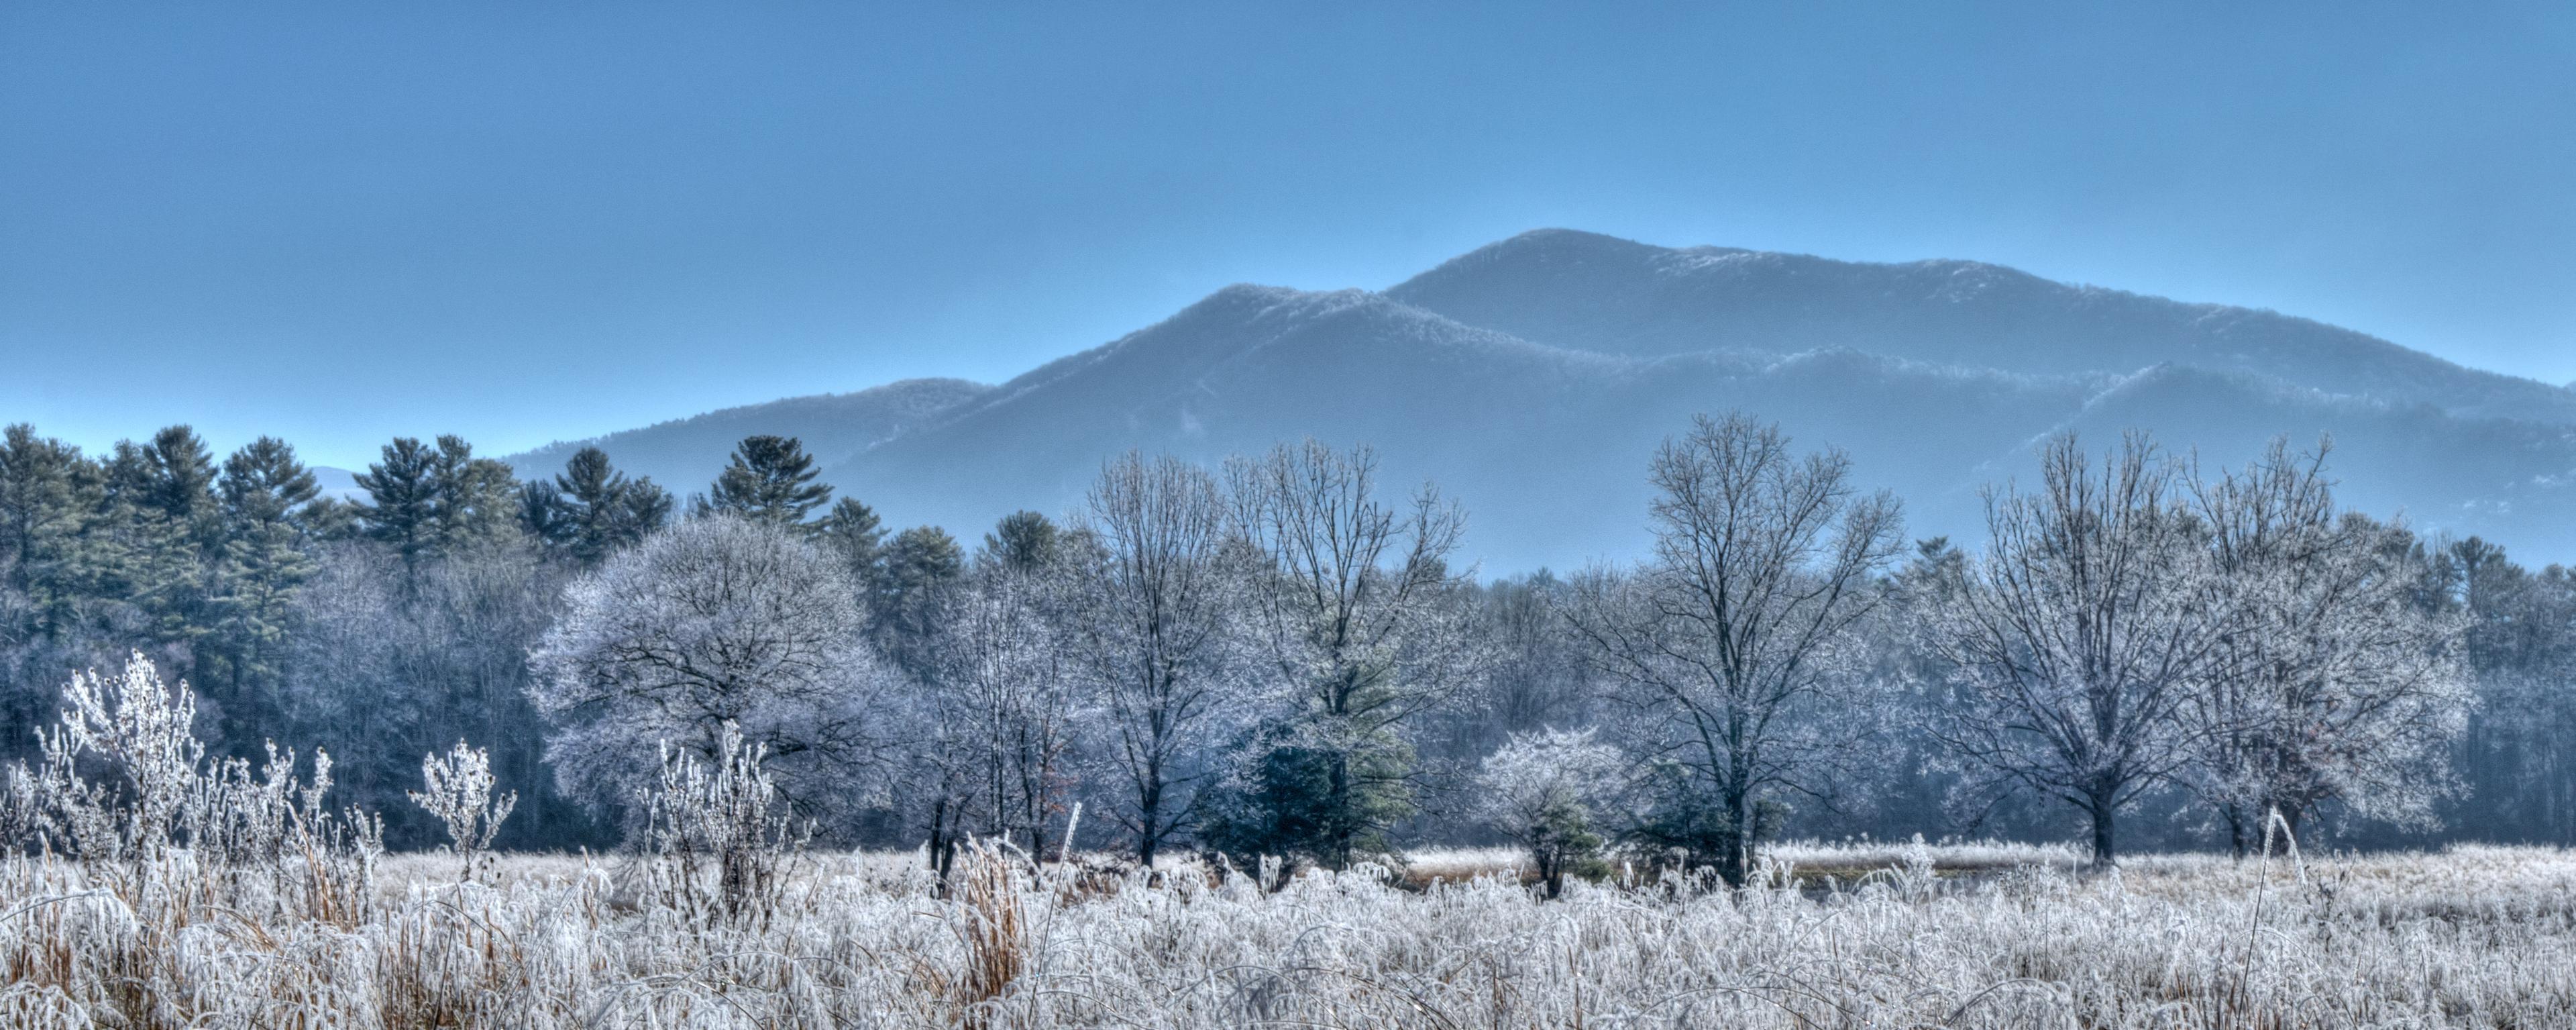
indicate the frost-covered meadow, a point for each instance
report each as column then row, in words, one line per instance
column 2475, row 937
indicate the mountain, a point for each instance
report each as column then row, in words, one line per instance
column 684, row 454
column 1532, row 380
column 336, row 482
column 1592, row 292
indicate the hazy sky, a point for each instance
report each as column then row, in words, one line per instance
column 345, row 222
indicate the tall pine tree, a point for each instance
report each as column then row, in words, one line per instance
column 401, row 509
column 600, row 510
column 771, row 479
column 476, row 499
column 40, row 522
column 854, row 534
column 264, row 562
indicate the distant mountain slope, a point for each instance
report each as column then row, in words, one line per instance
column 336, row 482
column 684, row 454
column 1597, row 293
column 1533, row 379
column 1547, row 447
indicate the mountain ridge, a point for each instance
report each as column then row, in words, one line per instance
column 1532, row 379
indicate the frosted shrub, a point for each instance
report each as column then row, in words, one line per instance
column 726, row 821
column 124, row 787
column 1540, row 789
column 141, row 730
column 459, row 793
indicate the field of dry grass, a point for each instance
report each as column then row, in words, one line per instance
column 1966, row 936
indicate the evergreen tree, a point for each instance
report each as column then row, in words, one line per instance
column 40, row 520
column 401, row 509
column 770, row 478
column 646, row 511
column 477, row 499
column 329, row 519
column 1022, row 541
column 180, row 489
column 263, row 565
column 921, row 565
column 600, row 510
column 544, row 517
column 180, row 480
column 853, row 533
column 136, row 551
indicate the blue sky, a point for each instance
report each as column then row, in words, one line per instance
column 338, row 223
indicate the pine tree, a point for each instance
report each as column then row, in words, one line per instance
column 329, row 518
column 646, row 511
column 40, row 520
column 180, row 480
column 921, row 565
column 770, row 478
column 600, row 510
column 135, row 553
column 477, row 499
column 264, row 563
column 401, row 509
column 544, row 517
column 1022, row 541
column 853, row 533
column 179, row 487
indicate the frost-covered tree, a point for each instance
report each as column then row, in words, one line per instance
column 2329, row 683
column 1732, row 643
column 715, row 621
column 1003, row 699
column 1540, row 789
column 2071, row 645
column 1148, row 623
column 1359, row 625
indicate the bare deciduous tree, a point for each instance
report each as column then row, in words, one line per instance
column 2078, row 634
column 1148, row 628
column 1359, row 622
column 1729, row 640
column 1004, row 710
column 2329, row 681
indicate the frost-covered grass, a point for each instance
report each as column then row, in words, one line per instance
column 2481, row 937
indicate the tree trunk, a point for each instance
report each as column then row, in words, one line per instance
column 1734, row 866
column 2101, row 811
column 1337, row 809
column 1148, row 824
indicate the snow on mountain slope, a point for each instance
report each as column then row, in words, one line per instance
column 1592, row 292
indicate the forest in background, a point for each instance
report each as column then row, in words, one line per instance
column 1278, row 656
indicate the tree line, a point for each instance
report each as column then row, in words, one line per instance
column 1281, row 655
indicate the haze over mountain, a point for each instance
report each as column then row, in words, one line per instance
column 1532, row 378
column 683, row 454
